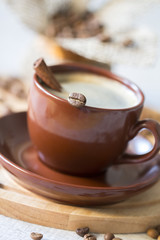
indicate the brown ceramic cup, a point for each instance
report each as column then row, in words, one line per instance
column 85, row 141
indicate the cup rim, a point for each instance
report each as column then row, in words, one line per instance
column 86, row 68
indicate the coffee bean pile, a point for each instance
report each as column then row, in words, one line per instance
column 67, row 24
column 70, row 25
column 13, row 95
column 14, row 86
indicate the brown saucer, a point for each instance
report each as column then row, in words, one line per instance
column 120, row 182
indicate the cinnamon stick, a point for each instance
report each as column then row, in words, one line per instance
column 46, row 75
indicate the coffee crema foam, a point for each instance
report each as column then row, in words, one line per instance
column 100, row 92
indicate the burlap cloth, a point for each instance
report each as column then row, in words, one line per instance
column 11, row 229
column 118, row 16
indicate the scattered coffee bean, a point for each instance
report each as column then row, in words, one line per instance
column 89, row 236
column 128, row 43
column 109, row 236
column 36, row 236
column 82, row 231
column 105, row 38
column 77, row 99
column 158, row 228
column 153, row 233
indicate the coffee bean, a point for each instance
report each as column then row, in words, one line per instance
column 82, row 231
column 89, row 237
column 153, row 233
column 105, row 38
column 87, row 15
column 77, row 99
column 128, row 43
column 36, row 236
column 109, row 236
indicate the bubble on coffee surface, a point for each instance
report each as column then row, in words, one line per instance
column 100, row 92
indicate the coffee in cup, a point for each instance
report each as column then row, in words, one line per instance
column 100, row 91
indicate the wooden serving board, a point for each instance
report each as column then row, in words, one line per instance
column 134, row 215
column 131, row 216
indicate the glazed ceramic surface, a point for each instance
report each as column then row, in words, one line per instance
column 84, row 141
column 118, row 183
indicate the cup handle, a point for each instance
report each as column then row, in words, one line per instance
column 152, row 126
